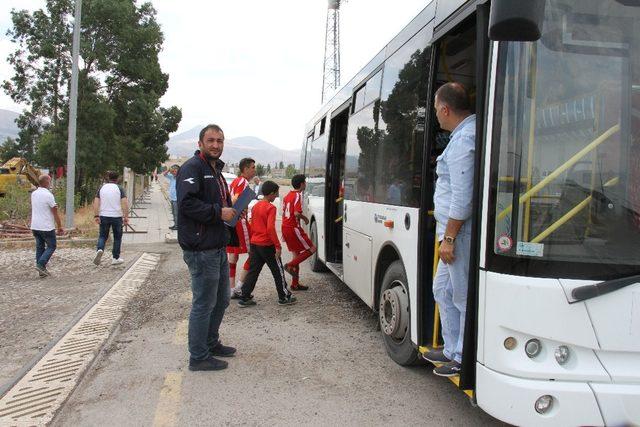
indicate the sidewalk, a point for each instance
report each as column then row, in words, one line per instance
column 153, row 228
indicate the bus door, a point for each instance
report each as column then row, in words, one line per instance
column 334, row 189
column 460, row 56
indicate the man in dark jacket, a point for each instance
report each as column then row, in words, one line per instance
column 204, row 204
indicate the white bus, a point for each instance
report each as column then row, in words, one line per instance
column 552, row 330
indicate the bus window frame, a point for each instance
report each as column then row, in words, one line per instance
column 530, row 266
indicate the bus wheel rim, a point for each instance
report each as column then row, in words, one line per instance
column 393, row 311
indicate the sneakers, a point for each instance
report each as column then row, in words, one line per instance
column 449, row 369
column 235, row 295
column 221, row 350
column 287, row 301
column 290, row 270
column 299, row 287
column 117, row 261
column 246, row 302
column 42, row 271
column 436, row 356
column 209, row 364
column 98, row 257
column 173, row 227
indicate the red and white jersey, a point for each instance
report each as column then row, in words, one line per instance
column 237, row 187
column 291, row 204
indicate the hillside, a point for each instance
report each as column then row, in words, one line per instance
column 185, row 143
column 8, row 127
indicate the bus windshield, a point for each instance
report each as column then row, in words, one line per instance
column 566, row 138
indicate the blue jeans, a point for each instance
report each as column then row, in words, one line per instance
column 45, row 246
column 210, row 298
column 107, row 222
column 450, row 292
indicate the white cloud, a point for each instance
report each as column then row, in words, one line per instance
column 255, row 67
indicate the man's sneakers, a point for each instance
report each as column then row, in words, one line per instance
column 173, row 227
column 42, row 271
column 220, row 350
column 235, row 294
column 246, row 302
column 449, row 369
column 208, row 364
column 299, row 287
column 117, row 261
column 287, row 301
column 98, row 257
column 436, row 356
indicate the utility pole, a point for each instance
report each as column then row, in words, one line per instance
column 331, row 71
column 73, row 114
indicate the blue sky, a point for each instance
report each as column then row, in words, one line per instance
column 249, row 66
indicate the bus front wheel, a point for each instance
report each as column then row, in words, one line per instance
column 394, row 316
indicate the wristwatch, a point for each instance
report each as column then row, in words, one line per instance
column 449, row 239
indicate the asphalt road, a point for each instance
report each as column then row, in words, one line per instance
column 319, row 362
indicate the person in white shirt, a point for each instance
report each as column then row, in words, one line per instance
column 110, row 209
column 44, row 221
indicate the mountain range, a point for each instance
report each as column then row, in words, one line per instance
column 185, row 143
column 8, row 126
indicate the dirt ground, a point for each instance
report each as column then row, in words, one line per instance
column 33, row 311
column 319, row 362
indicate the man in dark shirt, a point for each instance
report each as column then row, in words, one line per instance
column 203, row 206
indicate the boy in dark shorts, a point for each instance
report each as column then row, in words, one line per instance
column 265, row 248
column 296, row 239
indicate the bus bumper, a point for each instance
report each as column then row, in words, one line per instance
column 512, row 399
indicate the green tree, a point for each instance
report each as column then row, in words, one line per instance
column 268, row 171
column 291, row 170
column 9, row 149
column 120, row 121
column 260, row 170
column 281, row 165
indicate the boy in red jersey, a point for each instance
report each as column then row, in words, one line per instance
column 247, row 168
column 265, row 248
column 297, row 240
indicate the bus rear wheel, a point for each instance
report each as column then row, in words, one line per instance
column 394, row 316
column 316, row 264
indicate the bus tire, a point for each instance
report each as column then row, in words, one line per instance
column 394, row 316
column 316, row 265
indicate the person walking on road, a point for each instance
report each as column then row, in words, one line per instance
column 265, row 249
column 110, row 211
column 171, row 174
column 298, row 243
column 453, row 205
column 247, row 168
column 44, row 221
column 204, row 203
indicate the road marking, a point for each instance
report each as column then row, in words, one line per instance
column 169, row 401
column 180, row 336
column 40, row 393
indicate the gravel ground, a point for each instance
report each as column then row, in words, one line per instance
column 319, row 362
column 33, row 311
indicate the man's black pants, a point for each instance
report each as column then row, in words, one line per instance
column 258, row 257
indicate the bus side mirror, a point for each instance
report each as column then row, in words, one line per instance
column 516, row 20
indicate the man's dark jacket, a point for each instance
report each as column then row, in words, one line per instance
column 200, row 226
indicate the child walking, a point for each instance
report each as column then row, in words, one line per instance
column 297, row 240
column 265, row 249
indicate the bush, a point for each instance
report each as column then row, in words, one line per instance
column 16, row 203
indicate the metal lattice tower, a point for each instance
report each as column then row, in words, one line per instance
column 331, row 71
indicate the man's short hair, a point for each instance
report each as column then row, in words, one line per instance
column 176, row 167
column 42, row 179
column 208, row 127
column 245, row 163
column 269, row 187
column 112, row 175
column 297, row 181
column 455, row 96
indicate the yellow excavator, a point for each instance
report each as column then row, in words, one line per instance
column 18, row 171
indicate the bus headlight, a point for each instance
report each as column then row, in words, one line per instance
column 562, row 354
column 544, row 404
column 533, row 347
